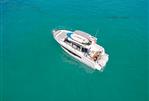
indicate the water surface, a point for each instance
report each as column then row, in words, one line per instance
column 35, row 68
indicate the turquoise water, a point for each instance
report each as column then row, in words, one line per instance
column 35, row 68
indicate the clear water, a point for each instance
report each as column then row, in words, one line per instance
column 35, row 68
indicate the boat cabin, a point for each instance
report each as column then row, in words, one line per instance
column 93, row 54
column 76, row 46
column 83, row 44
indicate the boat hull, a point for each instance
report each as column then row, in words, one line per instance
column 80, row 59
column 62, row 34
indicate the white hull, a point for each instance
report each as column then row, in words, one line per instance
column 82, row 57
column 81, row 60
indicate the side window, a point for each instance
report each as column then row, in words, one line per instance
column 84, row 50
column 76, row 46
column 67, row 41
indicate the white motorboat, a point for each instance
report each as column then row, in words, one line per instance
column 83, row 47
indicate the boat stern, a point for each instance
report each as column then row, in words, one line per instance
column 101, row 63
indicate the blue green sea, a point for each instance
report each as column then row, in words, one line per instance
column 35, row 68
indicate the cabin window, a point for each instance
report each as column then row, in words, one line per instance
column 89, row 43
column 84, row 50
column 76, row 46
column 67, row 41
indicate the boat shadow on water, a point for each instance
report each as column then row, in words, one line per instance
column 65, row 57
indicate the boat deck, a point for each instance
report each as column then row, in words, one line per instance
column 60, row 35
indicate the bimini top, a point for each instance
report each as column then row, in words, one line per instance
column 83, row 34
column 78, row 38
